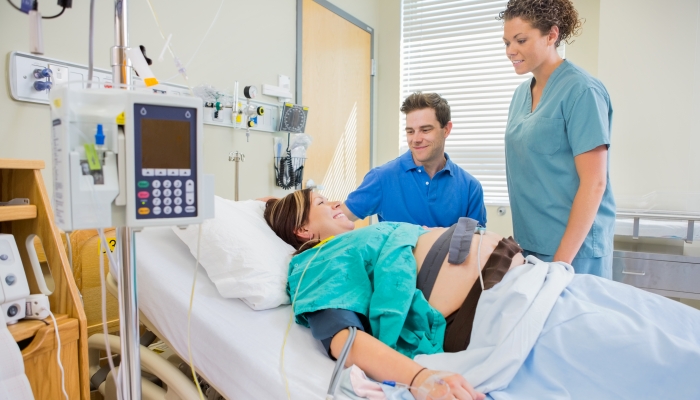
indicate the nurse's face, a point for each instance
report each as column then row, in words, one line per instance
column 325, row 219
column 425, row 137
column 526, row 47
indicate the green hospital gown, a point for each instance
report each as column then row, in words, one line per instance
column 371, row 271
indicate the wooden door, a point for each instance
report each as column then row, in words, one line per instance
column 336, row 86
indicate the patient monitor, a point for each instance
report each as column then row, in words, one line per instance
column 14, row 288
column 126, row 158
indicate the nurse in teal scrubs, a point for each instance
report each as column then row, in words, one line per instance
column 557, row 140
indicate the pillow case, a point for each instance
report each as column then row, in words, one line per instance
column 241, row 254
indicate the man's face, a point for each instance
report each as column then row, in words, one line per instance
column 425, row 137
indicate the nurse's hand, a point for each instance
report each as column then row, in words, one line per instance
column 443, row 386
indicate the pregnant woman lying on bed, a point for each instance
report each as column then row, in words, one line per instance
column 538, row 330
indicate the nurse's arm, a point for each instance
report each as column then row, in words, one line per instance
column 592, row 167
column 348, row 213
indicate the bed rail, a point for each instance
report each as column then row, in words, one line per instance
column 637, row 215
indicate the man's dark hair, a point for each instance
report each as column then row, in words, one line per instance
column 420, row 101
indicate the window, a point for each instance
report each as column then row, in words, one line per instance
column 455, row 48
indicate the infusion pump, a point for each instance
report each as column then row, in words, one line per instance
column 125, row 158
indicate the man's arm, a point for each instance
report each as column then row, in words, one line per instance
column 476, row 208
column 348, row 213
column 366, row 200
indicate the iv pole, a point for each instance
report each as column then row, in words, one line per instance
column 130, row 370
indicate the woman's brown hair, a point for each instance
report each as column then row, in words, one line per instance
column 289, row 214
column 544, row 14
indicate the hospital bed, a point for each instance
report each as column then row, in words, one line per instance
column 234, row 348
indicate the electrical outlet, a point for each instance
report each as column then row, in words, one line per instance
column 59, row 74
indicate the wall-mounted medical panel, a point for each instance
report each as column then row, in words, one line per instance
column 28, row 84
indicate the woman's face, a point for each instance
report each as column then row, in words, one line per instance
column 325, row 219
column 526, row 47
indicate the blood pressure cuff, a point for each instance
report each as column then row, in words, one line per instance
column 325, row 324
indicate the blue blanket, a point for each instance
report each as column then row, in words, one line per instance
column 595, row 338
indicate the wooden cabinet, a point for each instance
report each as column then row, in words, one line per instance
column 40, row 355
column 22, row 179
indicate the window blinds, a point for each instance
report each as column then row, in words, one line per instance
column 455, row 48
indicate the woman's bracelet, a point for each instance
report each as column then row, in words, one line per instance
column 416, row 375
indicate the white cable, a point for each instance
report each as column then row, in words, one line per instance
column 115, row 266
column 478, row 259
column 91, row 46
column 58, row 354
column 103, row 240
column 189, row 315
column 216, row 16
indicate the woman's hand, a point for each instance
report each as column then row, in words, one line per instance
column 266, row 199
column 443, row 385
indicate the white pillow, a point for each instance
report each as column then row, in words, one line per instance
column 241, row 254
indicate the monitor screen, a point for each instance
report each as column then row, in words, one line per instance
column 165, row 144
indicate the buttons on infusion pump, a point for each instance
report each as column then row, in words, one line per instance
column 166, row 198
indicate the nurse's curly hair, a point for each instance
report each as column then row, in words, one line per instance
column 543, row 14
column 288, row 214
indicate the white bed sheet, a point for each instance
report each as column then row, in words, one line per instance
column 235, row 348
column 656, row 228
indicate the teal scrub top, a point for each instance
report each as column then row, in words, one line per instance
column 371, row 271
column 574, row 116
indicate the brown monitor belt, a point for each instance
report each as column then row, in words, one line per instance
column 459, row 324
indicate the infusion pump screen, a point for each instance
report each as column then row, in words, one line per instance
column 165, row 144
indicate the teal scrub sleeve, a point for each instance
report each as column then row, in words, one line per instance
column 588, row 124
column 366, row 200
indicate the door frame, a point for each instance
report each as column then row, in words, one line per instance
column 373, row 68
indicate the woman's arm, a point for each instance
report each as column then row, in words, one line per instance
column 592, row 167
column 382, row 363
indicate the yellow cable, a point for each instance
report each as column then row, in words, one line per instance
column 189, row 314
column 291, row 316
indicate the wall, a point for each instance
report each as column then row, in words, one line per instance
column 385, row 18
column 654, row 83
column 227, row 55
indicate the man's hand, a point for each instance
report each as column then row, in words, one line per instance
column 447, row 385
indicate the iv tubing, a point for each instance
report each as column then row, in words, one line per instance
column 478, row 257
column 340, row 363
column 291, row 318
column 189, row 315
column 103, row 241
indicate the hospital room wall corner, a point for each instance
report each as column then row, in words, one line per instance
column 223, row 58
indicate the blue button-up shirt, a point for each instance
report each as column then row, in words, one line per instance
column 401, row 191
column 574, row 116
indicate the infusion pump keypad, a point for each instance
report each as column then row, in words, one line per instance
column 166, row 196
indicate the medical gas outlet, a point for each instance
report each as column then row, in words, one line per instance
column 44, row 81
column 250, row 111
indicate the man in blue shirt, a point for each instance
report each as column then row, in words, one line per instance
column 422, row 186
